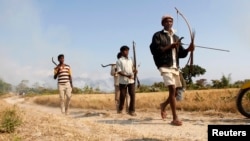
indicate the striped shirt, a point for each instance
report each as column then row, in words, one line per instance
column 64, row 74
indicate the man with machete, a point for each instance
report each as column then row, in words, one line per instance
column 62, row 72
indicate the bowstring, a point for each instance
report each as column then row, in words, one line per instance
column 189, row 59
column 177, row 17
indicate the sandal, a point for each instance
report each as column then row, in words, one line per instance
column 176, row 122
column 163, row 113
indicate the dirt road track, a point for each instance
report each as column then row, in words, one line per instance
column 109, row 126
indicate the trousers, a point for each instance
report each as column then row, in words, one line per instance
column 64, row 91
column 130, row 88
column 117, row 98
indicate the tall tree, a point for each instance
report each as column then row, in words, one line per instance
column 23, row 87
column 4, row 87
column 197, row 71
column 225, row 81
column 201, row 83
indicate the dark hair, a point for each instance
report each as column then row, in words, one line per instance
column 119, row 55
column 124, row 48
column 59, row 56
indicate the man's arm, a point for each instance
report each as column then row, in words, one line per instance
column 56, row 71
column 184, row 52
column 171, row 46
column 113, row 70
column 191, row 47
column 156, row 48
column 135, row 71
column 125, row 75
column 119, row 70
column 70, row 78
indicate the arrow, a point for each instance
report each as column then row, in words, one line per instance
column 210, row 48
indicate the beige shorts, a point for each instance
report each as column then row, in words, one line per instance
column 171, row 79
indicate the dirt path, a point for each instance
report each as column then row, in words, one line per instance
column 109, row 126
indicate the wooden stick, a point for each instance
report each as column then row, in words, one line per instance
column 210, row 48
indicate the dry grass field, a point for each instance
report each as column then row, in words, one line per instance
column 221, row 100
column 96, row 119
column 44, row 127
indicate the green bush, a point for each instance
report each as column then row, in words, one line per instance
column 10, row 119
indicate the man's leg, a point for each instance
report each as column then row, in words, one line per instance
column 68, row 97
column 163, row 107
column 127, row 101
column 61, row 96
column 117, row 97
column 171, row 81
column 168, row 80
column 172, row 100
column 131, row 92
column 123, row 91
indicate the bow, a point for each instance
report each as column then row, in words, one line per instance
column 192, row 35
column 135, row 67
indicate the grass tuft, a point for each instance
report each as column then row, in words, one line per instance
column 10, row 119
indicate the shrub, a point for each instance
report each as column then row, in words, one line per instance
column 10, row 119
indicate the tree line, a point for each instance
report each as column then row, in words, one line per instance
column 223, row 82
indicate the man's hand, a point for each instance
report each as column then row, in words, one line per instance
column 191, row 47
column 58, row 68
column 135, row 71
column 175, row 44
column 130, row 76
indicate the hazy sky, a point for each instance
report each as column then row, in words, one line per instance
column 90, row 33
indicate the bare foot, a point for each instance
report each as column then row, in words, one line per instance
column 163, row 112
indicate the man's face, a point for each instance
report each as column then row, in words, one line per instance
column 61, row 60
column 125, row 53
column 167, row 23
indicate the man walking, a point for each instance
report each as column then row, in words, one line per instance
column 63, row 74
column 166, row 50
column 115, row 74
column 126, row 71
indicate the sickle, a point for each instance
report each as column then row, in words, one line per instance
column 53, row 61
column 192, row 35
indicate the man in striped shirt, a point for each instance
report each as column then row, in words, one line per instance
column 63, row 74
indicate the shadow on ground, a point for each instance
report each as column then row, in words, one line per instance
column 81, row 114
column 237, row 121
column 144, row 139
column 223, row 120
column 134, row 121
